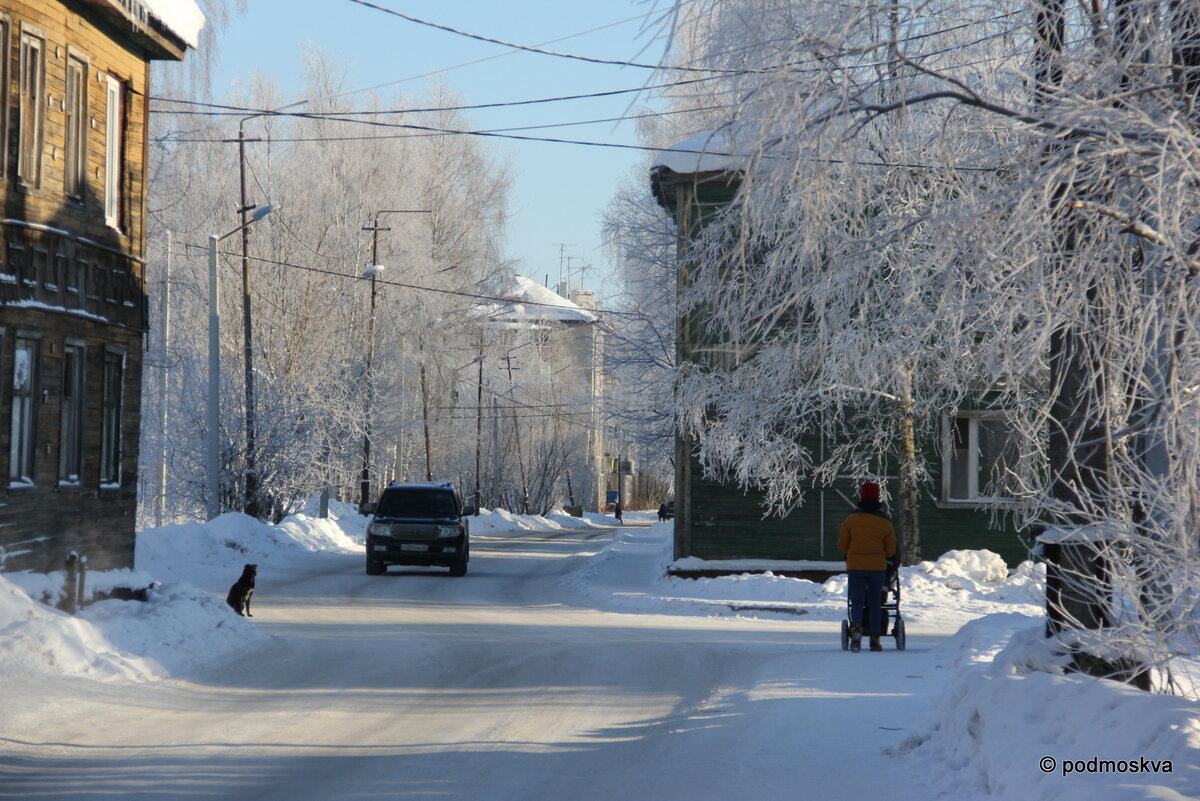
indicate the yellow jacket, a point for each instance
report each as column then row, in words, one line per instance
column 867, row 540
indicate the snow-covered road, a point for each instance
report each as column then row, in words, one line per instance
column 567, row 664
column 504, row 684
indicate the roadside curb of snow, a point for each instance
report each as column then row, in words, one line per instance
column 1008, row 707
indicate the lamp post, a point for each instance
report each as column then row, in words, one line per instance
column 364, row 482
column 214, row 363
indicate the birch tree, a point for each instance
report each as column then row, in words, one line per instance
column 311, row 304
column 967, row 203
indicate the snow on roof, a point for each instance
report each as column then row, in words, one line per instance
column 534, row 302
column 182, row 17
column 711, row 151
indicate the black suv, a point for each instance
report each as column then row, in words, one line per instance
column 418, row 524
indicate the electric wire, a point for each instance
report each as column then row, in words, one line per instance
column 538, row 50
column 416, row 287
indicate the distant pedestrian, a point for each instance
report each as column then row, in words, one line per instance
column 617, row 512
column 868, row 539
column 662, row 512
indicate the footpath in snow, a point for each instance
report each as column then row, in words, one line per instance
column 976, row 708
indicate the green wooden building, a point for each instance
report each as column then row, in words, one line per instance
column 720, row 521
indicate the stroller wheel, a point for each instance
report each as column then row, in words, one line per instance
column 898, row 632
column 845, row 636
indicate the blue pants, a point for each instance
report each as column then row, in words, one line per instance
column 866, row 585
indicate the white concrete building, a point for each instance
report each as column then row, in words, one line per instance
column 569, row 332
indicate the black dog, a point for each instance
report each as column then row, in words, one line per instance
column 239, row 594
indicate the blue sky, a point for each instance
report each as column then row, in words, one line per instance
column 559, row 190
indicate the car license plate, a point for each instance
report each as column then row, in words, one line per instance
column 407, row 546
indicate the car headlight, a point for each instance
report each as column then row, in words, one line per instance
column 379, row 529
column 448, row 531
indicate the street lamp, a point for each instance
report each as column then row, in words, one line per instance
column 372, row 272
column 214, row 363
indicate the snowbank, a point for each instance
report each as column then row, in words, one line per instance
column 1010, row 725
column 185, row 622
column 500, row 520
column 177, row 628
column 631, row 574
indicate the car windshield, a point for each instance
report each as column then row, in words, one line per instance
column 417, row 503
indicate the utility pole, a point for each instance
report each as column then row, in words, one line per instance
column 479, row 429
column 160, row 503
column 250, row 496
column 425, row 419
column 495, row 451
column 520, row 460
column 364, row 482
column 251, row 486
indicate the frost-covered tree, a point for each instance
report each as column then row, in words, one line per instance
column 311, row 305
column 948, row 203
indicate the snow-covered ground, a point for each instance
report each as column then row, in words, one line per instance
column 567, row 663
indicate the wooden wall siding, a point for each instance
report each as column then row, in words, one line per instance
column 40, row 524
column 66, row 31
column 46, row 237
column 60, row 271
column 727, row 523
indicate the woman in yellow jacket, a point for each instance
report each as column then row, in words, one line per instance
column 868, row 539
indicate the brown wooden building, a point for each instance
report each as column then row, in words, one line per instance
column 74, row 81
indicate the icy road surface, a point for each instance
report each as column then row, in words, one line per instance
column 504, row 684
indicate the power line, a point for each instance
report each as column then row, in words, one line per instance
column 538, row 50
column 237, row 111
column 435, row 131
column 418, row 287
column 492, row 57
column 544, row 126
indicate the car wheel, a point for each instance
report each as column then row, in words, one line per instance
column 459, row 568
column 375, row 567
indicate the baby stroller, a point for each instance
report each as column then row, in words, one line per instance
column 891, row 585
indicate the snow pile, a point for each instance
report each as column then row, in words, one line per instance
column 710, row 151
column 630, row 574
column 490, row 522
column 177, row 628
column 1009, row 725
column 39, row 639
column 974, row 566
column 182, row 17
column 978, row 575
column 210, row 555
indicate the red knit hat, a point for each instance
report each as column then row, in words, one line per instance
column 869, row 492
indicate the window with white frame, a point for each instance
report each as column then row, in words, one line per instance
column 981, row 458
column 24, row 396
column 31, row 108
column 110, row 418
column 70, row 429
column 113, row 128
